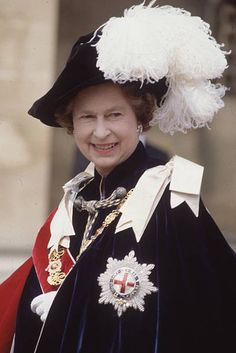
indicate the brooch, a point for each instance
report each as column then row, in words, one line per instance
column 125, row 283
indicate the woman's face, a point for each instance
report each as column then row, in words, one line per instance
column 105, row 126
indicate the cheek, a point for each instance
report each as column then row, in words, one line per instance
column 130, row 130
column 129, row 140
column 128, row 127
column 78, row 136
column 80, row 132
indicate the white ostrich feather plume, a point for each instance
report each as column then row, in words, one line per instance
column 151, row 42
column 188, row 105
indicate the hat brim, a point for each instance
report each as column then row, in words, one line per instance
column 46, row 107
column 80, row 72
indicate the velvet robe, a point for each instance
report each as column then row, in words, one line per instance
column 193, row 311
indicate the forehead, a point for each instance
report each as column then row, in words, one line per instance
column 102, row 96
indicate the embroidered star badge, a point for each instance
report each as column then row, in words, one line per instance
column 125, row 283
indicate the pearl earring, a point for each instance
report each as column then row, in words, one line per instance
column 140, row 128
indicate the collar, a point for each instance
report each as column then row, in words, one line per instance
column 183, row 176
column 61, row 226
column 125, row 174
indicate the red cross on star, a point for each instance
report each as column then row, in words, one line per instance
column 124, row 283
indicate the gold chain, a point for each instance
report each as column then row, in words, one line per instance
column 55, row 275
column 107, row 221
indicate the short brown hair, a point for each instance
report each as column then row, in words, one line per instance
column 142, row 103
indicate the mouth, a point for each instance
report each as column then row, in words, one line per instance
column 105, row 146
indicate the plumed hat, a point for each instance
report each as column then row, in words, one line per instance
column 80, row 71
column 154, row 45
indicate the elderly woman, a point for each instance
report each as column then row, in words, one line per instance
column 130, row 261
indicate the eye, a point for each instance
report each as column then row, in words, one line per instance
column 114, row 115
column 86, row 117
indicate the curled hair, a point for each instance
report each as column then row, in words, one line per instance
column 64, row 116
column 143, row 104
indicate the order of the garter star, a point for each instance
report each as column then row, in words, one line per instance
column 125, row 283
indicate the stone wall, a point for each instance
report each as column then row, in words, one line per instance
column 27, row 46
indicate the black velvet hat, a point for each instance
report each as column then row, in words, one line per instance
column 80, row 72
column 151, row 47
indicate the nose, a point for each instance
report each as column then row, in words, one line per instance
column 101, row 129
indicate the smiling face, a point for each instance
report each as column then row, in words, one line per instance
column 105, row 126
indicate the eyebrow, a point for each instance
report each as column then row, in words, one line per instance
column 115, row 107
column 109, row 110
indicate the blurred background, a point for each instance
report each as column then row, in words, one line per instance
column 35, row 160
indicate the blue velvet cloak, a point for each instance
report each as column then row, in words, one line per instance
column 194, row 310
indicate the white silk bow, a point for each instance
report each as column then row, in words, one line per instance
column 185, row 183
column 183, row 176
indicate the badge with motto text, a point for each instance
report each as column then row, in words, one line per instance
column 125, row 283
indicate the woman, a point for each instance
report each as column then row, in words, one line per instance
column 130, row 261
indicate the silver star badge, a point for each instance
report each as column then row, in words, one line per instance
column 125, row 283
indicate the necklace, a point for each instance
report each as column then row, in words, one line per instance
column 86, row 241
column 55, row 274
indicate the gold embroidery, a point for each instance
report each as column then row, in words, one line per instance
column 56, row 275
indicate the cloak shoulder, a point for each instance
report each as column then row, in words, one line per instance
column 184, row 179
column 10, row 293
column 11, row 289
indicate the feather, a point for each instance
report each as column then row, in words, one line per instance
column 188, row 105
column 151, row 42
